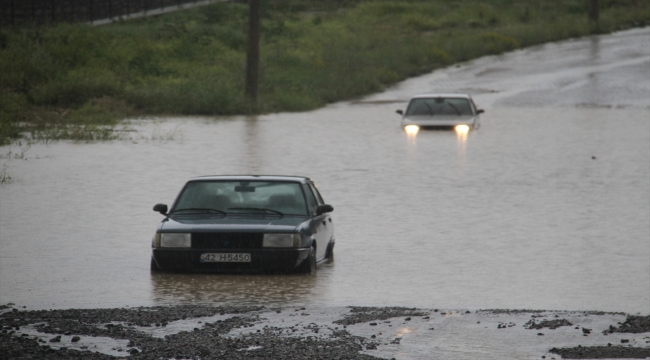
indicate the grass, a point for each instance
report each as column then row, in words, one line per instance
column 74, row 81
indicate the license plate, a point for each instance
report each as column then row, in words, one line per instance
column 225, row 257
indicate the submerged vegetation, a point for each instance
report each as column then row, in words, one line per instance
column 75, row 81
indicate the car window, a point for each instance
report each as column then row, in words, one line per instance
column 313, row 188
column 439, row 106
column 243, row 197
column 312, row 201
column 473, row 105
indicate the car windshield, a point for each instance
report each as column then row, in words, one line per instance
column 439, row 106
column 241, row 197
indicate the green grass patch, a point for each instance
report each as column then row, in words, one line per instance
column 74, row 81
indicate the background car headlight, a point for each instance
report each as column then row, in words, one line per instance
column 281, row 240
column 411, row 129
column 175, row 240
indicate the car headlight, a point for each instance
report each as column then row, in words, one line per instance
column 174, row 240
column 281, row 240
column 411, row 129
column 462, row 129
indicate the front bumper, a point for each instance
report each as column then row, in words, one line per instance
column 267, row 259
column 438, row 124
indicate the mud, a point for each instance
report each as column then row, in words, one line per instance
column 603, row 352
column 204, row 332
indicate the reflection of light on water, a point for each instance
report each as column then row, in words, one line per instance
column 461, row 135
column 411, row 132
column 403, row 331
column 461, row 132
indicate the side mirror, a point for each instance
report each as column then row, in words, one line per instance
column 400, row 112
column 161, row 208
column 479, row 111
column 321, row 209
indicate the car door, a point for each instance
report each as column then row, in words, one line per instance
column 319, row 223
column 326, row 220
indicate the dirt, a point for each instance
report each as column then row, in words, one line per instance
column 237, row 332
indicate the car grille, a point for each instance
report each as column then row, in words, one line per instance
column 227, row 240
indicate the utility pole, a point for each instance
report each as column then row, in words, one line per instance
column 593, row 11
column 253, row 50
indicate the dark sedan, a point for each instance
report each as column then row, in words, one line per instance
column 243, row 224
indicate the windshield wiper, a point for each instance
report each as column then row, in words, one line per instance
column 454, row 107
column 257, row 209
column 430, row 108
column 200, row 210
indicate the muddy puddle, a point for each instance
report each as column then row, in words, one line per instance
column 546, row 206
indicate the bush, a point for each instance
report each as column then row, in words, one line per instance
column 496, row 43
column 76, row 87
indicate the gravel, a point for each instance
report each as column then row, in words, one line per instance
column 551, row 324
column 633, row 324
column 602, row 352
column 366, row 314
column 208, row 342
column 255, row 332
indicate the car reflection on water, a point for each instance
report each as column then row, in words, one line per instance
column 244, row 289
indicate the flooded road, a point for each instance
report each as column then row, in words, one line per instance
column 546, row 206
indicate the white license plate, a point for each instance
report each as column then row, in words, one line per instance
column 225, row 257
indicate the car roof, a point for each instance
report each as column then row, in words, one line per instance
column 300, row 179
column 442, row 95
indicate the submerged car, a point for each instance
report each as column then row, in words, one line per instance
column 244, row 224
column 440, row 111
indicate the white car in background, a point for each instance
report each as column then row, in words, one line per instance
column 440, row 111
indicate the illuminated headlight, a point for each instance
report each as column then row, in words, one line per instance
column 462, row 128
column 174, row 240
column 411, row 129
column 281, row 240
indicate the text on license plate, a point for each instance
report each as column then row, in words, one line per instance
column 225, row 257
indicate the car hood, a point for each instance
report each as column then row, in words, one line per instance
column 237, row 224
column 438, row 120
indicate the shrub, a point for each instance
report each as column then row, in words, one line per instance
column 497, row 43
column 76, row 87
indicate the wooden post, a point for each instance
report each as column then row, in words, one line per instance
column 593, row 11
column 253, row 50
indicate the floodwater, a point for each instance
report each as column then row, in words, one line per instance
column 546, row 206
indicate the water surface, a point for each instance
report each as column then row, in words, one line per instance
column 546, row 206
